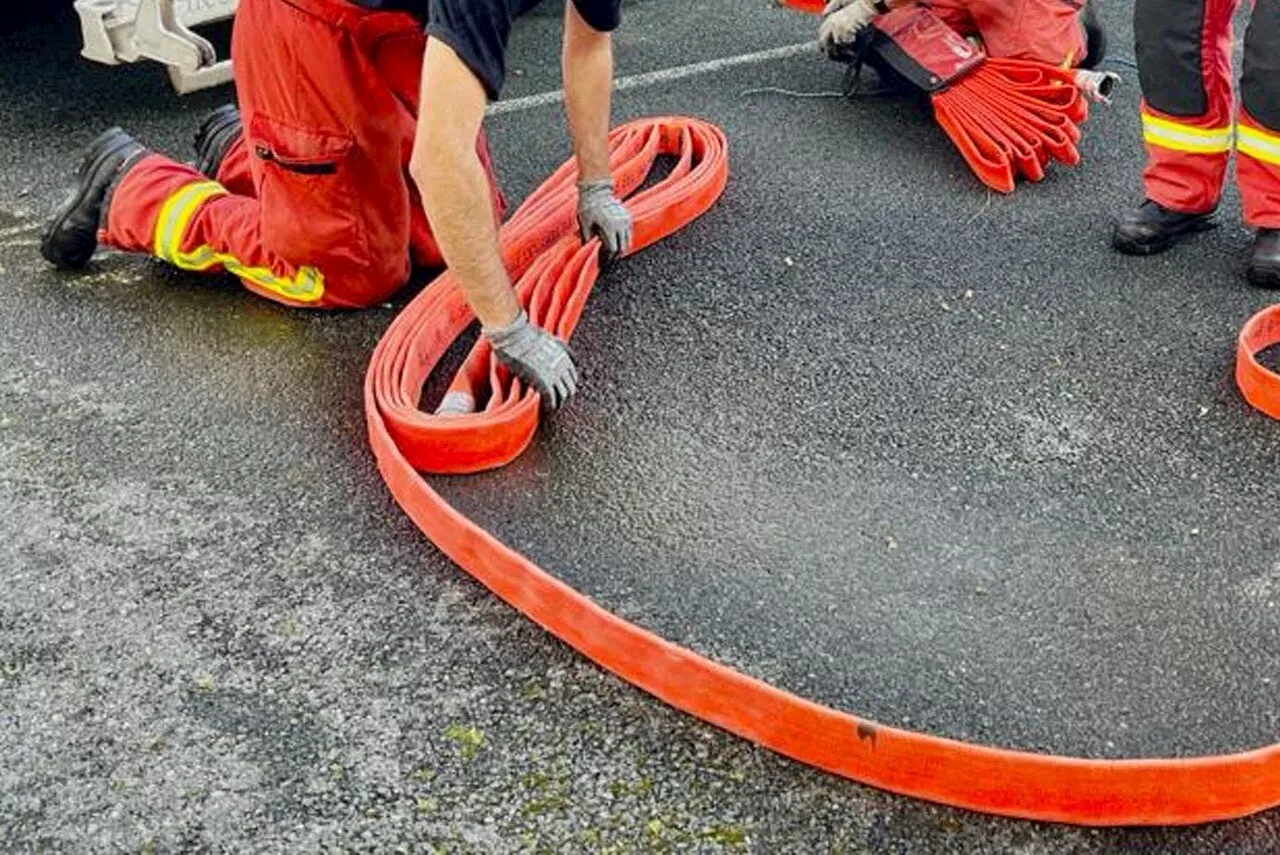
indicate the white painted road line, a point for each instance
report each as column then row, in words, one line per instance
column 666, row 75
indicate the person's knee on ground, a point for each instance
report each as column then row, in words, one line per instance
column 135, row 200
column 1056, row 32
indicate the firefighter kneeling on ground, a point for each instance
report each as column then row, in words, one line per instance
column 1061, row 33
column 357, row 148
column 1184, row 62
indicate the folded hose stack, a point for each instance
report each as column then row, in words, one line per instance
column 1010, row 118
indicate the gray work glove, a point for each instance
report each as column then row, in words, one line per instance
column 538, row 358
column 600, row 213
column 842, row 20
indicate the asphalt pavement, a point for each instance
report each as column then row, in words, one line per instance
column 926, row 454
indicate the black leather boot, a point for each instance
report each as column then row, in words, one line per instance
column 1151, row 228
column 71, row 237
column 219, row 130
column 1264, row 266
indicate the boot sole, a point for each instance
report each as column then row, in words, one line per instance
column 1268, row 277
column 119, row 143
column 215, row 135
column 1130, row 246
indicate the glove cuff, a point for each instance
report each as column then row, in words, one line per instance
column 500, row 336
column 591, row 188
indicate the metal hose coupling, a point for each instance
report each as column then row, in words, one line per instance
column 1097, row 86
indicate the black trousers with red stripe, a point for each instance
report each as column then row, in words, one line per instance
column 1189, row 110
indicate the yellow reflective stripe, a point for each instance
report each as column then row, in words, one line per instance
column 176, row 214
column 1179, row 137
column 1204, row 134
column 306, row 286
column 1258, row 144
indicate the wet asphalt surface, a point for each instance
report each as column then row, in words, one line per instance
column 930, row 457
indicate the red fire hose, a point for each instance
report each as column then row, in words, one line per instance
column 1008, row 118
column 556, row 273
column 1259, row 385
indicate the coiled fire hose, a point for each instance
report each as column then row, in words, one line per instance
column 556, row 273
column 1259, row 384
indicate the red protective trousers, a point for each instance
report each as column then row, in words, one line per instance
column 1046, row 31
column 314, row 205
column 1188, row 111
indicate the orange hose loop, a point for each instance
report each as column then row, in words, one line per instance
column 1259, row 385
column 541, row 248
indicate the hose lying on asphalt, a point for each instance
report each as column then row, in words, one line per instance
column 1259, row 384
column 556, row 273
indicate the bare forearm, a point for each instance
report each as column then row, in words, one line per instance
column 454, row 187
column 459, row 207
column 588, row 82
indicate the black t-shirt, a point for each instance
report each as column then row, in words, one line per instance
column 477, row 30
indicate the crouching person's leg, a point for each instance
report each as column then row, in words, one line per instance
column 302, row 244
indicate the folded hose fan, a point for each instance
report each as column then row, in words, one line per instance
column 1007, row 117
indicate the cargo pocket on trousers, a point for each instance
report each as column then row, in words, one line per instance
column 310, row 214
